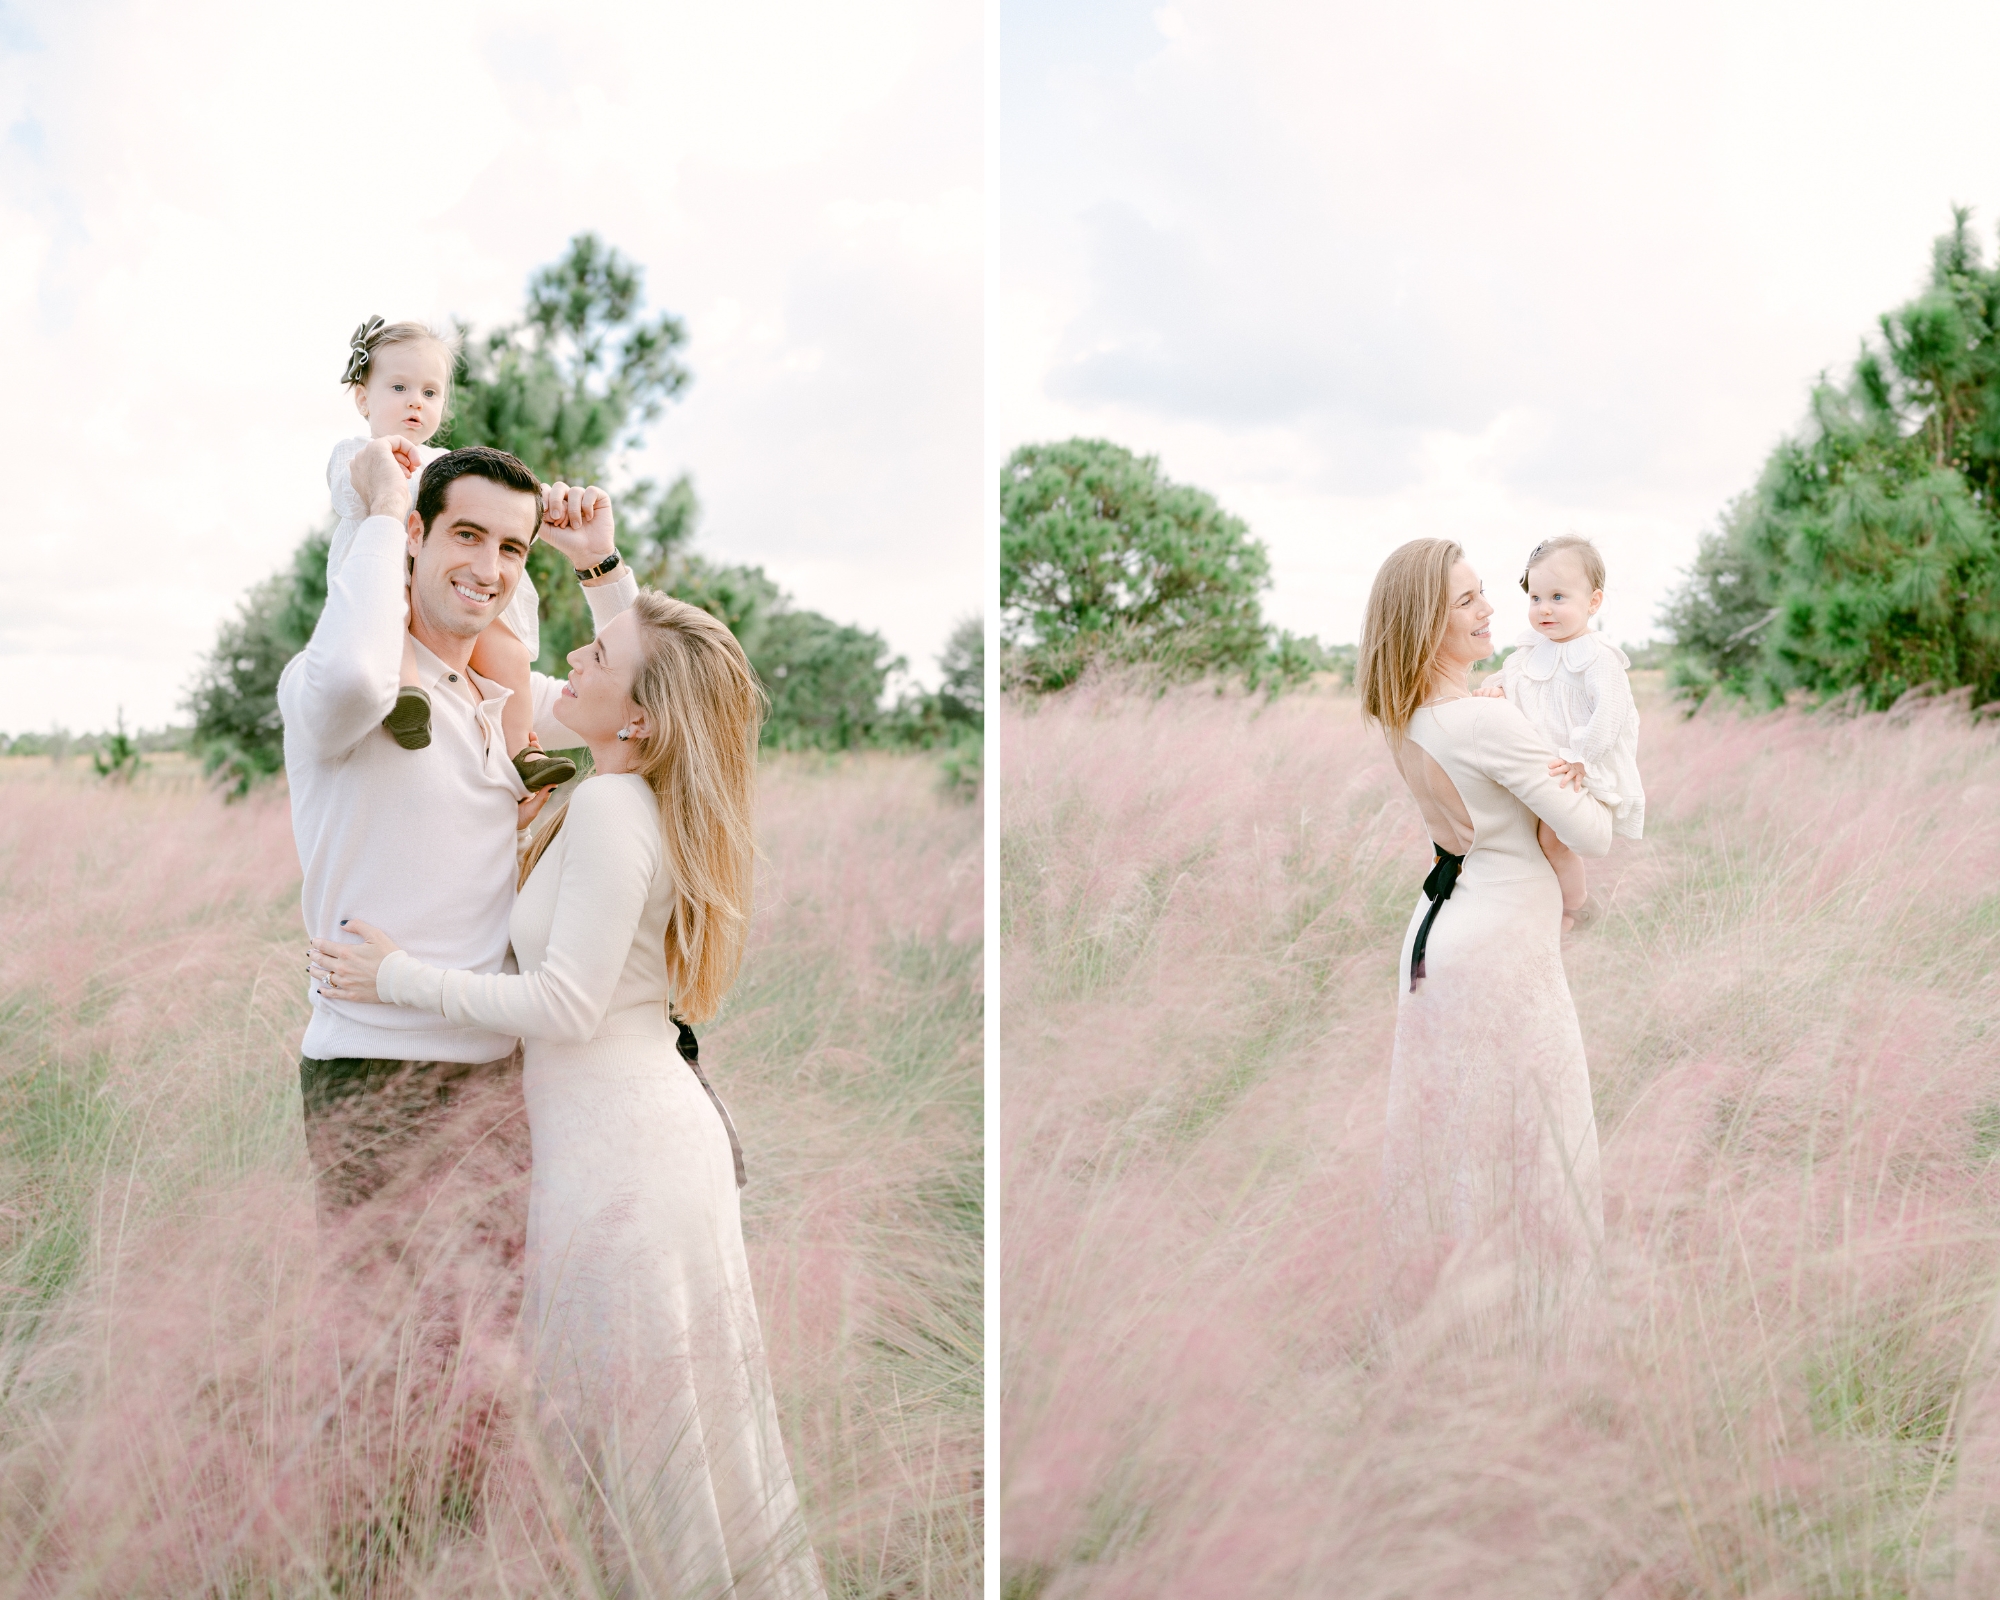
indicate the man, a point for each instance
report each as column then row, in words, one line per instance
column 420, row 842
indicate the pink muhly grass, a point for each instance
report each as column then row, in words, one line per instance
column 1789, row 1003
column 855, row 1038
column 203, row 1395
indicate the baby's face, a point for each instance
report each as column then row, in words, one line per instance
column 404, row 394
column 1560, row 599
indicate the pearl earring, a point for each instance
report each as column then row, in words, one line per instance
column 624, row 734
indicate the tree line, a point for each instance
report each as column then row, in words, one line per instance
column 573, row 382
column 1863, row 564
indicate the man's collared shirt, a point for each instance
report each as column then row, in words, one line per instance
column 418, row 842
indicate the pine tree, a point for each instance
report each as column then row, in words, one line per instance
column 577, row 377
column 1103, row 557
column 576, row 380
column 1866, row 559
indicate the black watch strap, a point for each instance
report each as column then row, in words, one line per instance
column 608, row 564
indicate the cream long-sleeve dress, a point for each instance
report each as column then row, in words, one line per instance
column 646, row 1337
column 1490, row 1163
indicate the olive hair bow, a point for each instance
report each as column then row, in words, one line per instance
column 359, row 344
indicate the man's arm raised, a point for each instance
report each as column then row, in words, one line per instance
column 344, row 681
column 580, row 523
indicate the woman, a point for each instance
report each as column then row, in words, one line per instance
column 1490, row 1164
column 634, row 900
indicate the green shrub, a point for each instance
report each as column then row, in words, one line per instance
column 1105, row 561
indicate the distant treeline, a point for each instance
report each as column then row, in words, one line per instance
column 565, row 388
column 60, row 743
column 1863, row 565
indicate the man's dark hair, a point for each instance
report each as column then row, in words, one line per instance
column 475, row 461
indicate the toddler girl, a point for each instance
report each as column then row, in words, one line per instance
column 400, row 376
column 1571, row 684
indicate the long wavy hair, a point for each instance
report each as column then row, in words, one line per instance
column 703, row 709
column 1401, row 632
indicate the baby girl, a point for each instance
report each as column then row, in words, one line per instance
column 1571, row 684
column 400, row 376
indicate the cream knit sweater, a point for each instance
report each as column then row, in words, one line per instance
column 418, row 842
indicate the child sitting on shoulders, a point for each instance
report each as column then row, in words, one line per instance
column 1571, row 684
column 400, row 376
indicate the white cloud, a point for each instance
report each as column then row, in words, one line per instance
column 197, row 204
column 1371, row 272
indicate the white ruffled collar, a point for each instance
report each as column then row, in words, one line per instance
column 1541, row 657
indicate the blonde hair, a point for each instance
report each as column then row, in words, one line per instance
column 1593, row 563
column 1402, row 629
column 375, row 334
column 703, row 709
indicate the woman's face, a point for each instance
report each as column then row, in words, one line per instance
column 1466, row 637
column 597, row 699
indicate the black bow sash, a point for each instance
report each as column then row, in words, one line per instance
column 1437, row 889
column 690, row 1049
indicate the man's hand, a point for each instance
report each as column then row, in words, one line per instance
column 1568, row 774
column 578, row 521
column 381, row 475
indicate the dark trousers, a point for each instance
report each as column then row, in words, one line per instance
column 421, row 1170
column 412, row 1139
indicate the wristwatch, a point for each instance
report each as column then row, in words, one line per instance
column 609, row 563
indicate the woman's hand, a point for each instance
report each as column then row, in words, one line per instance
column 525, row 811
column 348, row 971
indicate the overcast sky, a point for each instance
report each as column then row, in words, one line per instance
column 198, row 202
column 1483, row 271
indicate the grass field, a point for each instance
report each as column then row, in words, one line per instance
column 175, row 1415
column 1790, row 1004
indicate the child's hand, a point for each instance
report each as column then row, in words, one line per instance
column 1568, row 774
column 1491, row 689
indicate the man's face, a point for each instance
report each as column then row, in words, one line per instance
column 467, row 569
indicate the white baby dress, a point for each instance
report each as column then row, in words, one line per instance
column 1576, row 692
column 523, row 613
